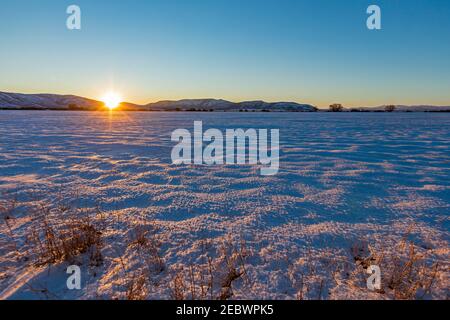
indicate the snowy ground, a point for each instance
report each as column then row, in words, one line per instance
column 369, row 181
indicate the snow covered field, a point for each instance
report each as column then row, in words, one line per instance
column 352, row 188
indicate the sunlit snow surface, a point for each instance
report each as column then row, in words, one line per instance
column 342, row 177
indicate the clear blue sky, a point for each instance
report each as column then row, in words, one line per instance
column 312, row 51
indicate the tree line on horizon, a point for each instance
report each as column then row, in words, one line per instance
column 337, row 107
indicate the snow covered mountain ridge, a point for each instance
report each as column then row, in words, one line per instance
column 72, row 102
column 45, row 101
column 66, row 102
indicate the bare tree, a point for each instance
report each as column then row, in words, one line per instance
column 389, row 108
column 336, row 107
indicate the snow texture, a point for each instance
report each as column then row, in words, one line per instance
column 343, row 178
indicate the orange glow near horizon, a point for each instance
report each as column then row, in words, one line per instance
column 112, row 100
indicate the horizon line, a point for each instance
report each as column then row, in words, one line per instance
column 231, row 101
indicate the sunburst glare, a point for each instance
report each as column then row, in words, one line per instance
column 112, row 100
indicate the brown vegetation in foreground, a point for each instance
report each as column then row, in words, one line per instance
column 62, row 234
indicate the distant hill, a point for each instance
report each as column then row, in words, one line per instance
column 66, row 102
column 46, row 101
column 404, row 108
column 223, row 105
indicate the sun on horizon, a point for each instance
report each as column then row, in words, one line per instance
column 112, row 100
